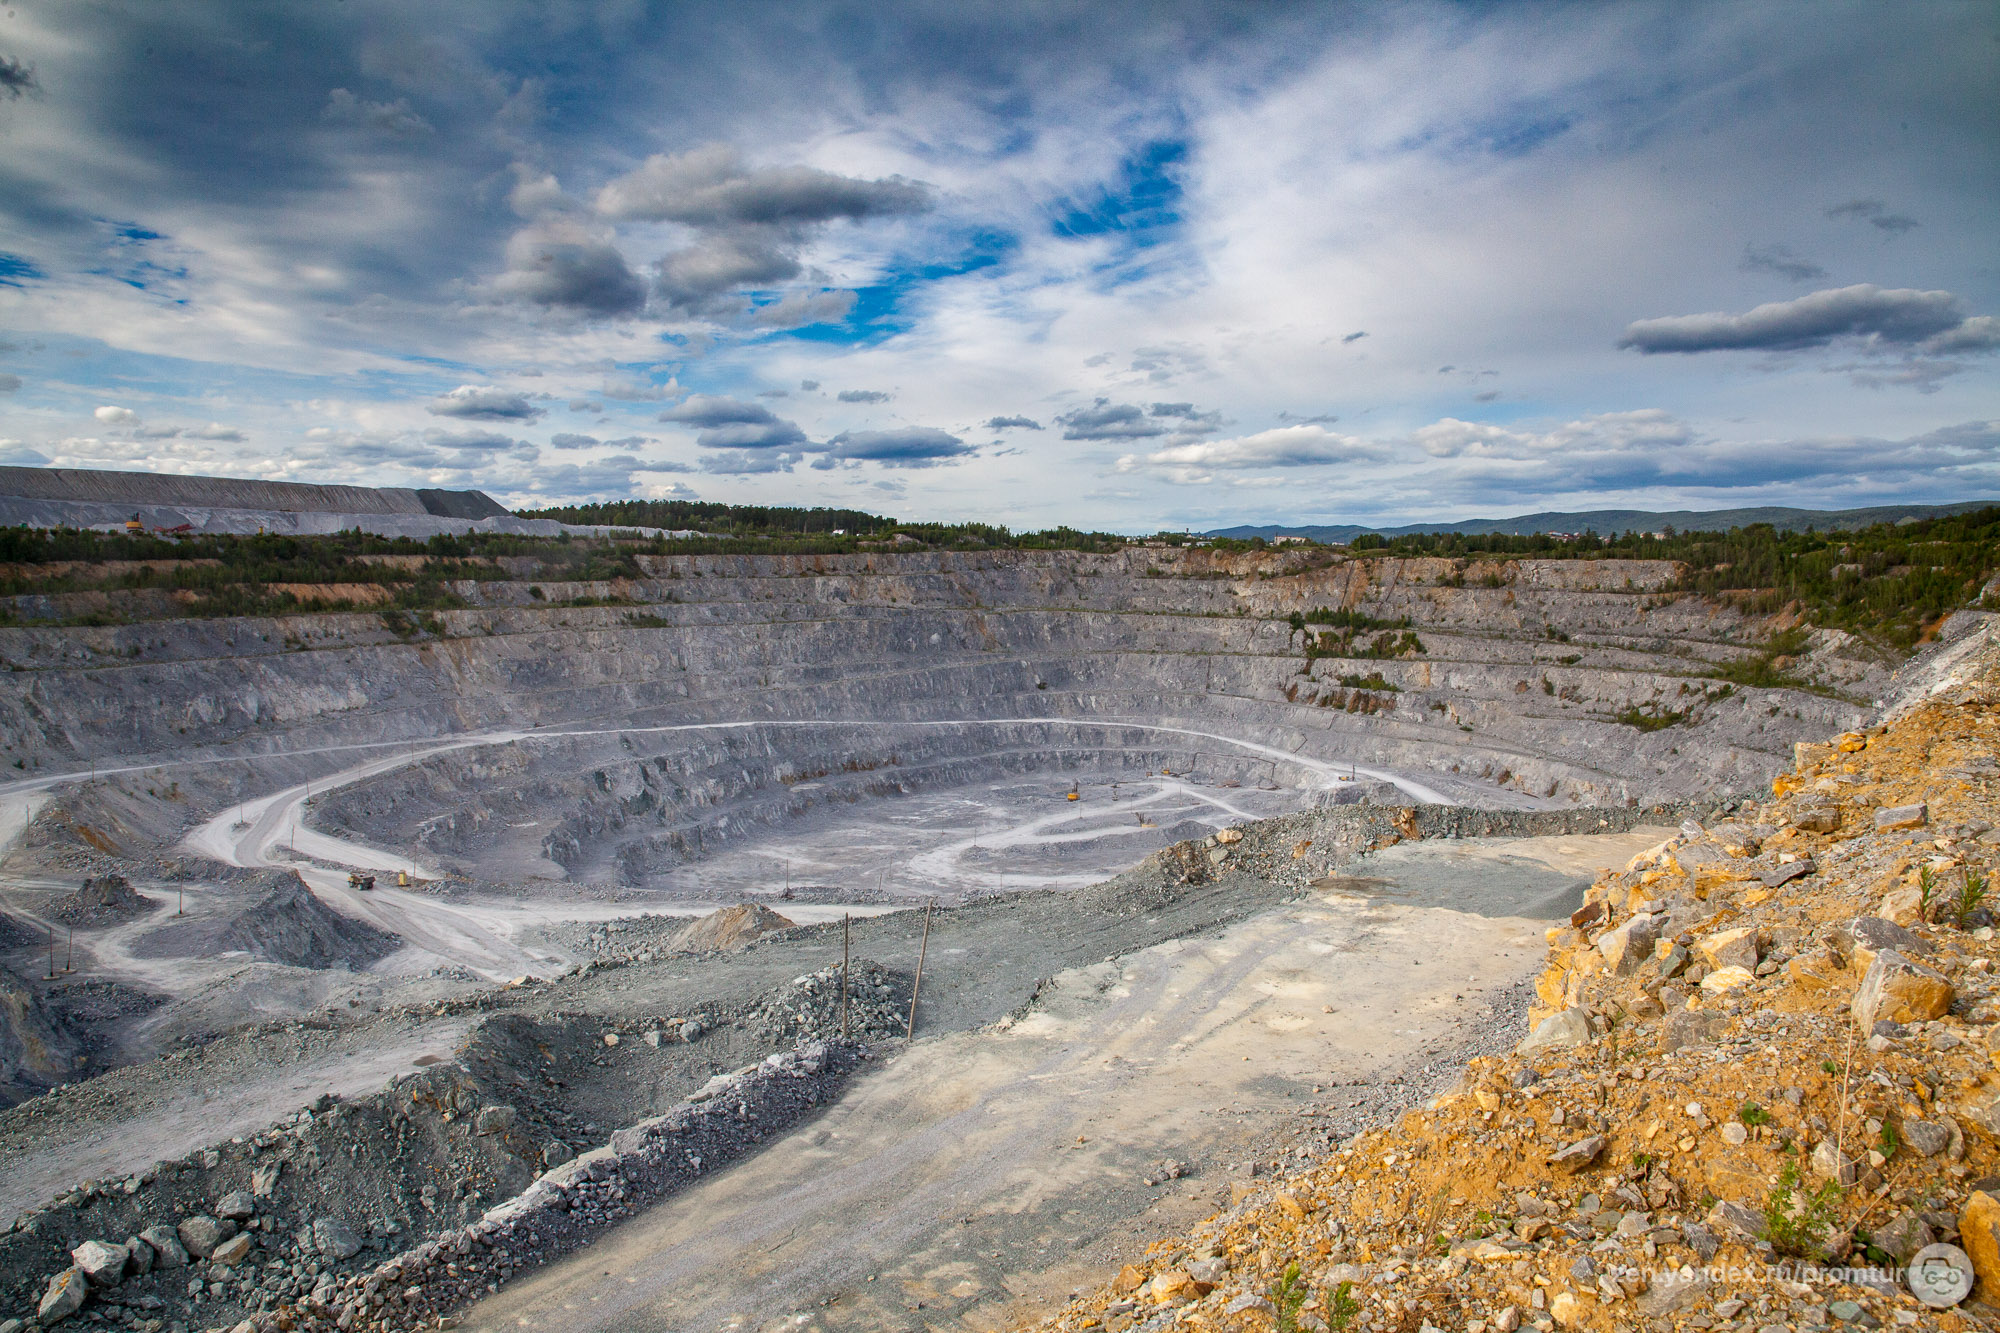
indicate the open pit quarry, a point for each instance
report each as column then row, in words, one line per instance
column 532, row 1079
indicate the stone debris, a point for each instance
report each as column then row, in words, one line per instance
column 1770, row 1040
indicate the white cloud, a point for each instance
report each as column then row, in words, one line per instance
column 116, row 416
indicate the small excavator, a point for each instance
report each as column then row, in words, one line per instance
column 357, row 880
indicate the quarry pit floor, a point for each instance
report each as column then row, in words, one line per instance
column 1002, row 1166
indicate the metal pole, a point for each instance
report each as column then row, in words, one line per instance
column 910, row 1028
column 843, row 974
column 69, row 959
column 52, row 955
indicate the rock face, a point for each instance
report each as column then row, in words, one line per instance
column 730, row 928
column 1900, row 990
column 292, row 926
column 36, row 1050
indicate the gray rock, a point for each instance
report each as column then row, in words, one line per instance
column 165, row 1242
column 493, row 1120
column 1580, row 1154
column 264, row 1178
column 693, row 1029
column 142, row 1256
column 64, row 1297
column 1701, row 1240
column 1627, row 948
column 102, row 1262
column 1777, row 876
column 1872, row 934
column 1734, row 1217
column 1903, row 816
column 201, row 1233
column 1818, row 816
column 1829, row 1163
column 1929, row 1137
column 1210, row 1271
column 334, row 1239
column 555, row 1152
column 11, row 1326
column 1569, row 1027
column 232, row 1251
column 1690, row 1027
column 1670, row 1292
column 1902, row 1236
column 237, row 1206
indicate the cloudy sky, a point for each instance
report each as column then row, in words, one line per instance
column 1118, row 266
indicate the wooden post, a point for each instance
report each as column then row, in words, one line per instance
column 843, row 974
column 910, row 1028
column 69, row 958
column 52, row 954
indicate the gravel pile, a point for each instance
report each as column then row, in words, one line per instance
column 878, row 1002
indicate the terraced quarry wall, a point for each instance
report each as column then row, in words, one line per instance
column 1521, row 676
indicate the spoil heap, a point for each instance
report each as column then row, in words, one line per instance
column 1767, row 1044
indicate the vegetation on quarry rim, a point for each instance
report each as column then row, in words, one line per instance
column 1889, row 584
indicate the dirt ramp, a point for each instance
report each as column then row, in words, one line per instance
column 730, row 928
column 290, row 925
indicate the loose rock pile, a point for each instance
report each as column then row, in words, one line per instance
column 878, row 1003
column 1760, row 1081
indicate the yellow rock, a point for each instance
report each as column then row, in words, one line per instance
column 1905, row 907
column 1786, row 783
column 1729, row 948
column 1174, row 1285
column 1293, row 1208
column 1850, row 742
column 1727, row 979
column 1130, row 1278
column 1979, row 1237
column 1567, row 1310
column 1488, row 1099
column 1816, row 971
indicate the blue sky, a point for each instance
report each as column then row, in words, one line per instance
column 1117, row 267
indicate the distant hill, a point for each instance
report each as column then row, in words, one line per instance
column 1607, row 522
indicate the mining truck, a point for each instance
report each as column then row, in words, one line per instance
column 357, row 880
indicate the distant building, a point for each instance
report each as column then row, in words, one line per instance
column 1290, row 539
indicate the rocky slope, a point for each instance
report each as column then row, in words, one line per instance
column 1760, row 1082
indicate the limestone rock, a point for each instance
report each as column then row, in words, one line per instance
column 1727, row 979
column 1729, row 948
column 1929, row 1137
column 1830, row 1163
column 165, row 1242
column 1866, row 936
column 1734, row 1217
column 1905, row 907
column 1901, row 990
column 1816, row 970
column 1902, row 1236
column 64, row 1297
column 237, row 1206
column 1979, row 1237
column 1569, row 1027
column 1690, row 1027
column 1821, row 816
column 103, row 1263
column 1579, row 1155
column 141, row 1254
column 200, row 1234
column 1567, row 1310
column 493, row 1120
column 1903, row 816
column 232, row 1251
column 334, row 1239
column 1628, row 947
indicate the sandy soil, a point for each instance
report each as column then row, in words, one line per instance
column 1002, row 1167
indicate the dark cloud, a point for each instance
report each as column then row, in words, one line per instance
column 711, row 187
column 17, row 79
column 1875, row 213
column 566, row 440
column 1891, row 315
column 1012, row 423
column 10, row 383
column 906, row 446
column 753, row 435
column 1356, row 336
column 1106, row 420
column 1780, row 260
column 482, row 441
column 713, row 410
column 691, row 279
column 568, row 267
column 396, row 119
column 809, row 385
column 1486, row 397
column 774, row 393
column 862, row 396
column 474, row 402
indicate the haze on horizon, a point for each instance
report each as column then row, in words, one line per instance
column 1119, row 267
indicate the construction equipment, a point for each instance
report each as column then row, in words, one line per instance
column 402, row 879
column 135, row 526
column 357, row 880
column 1074, row 794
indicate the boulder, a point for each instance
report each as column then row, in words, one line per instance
column 232, row 1251
column 102, row 1262
column 1738, row 1220
column 1690, row 1027
column 141, row 1254
column 1821, row 816
column 165, row 1243
column 201, row 1233
column 334, row 1239
column 1903, row 816
column 1929, row 1137
column 1902, row 1236
column 1568, row 1027
column 493, row 1120
column 1816, row 969
column 1726, row 979
column 1629, row 947
column 1779, row 876
column 1866, row 936
column 237, row 1206
column 1979, row 1237
column 1579, row 1155
column 1901, row 990
column 64, row 1297
column 1729, row 948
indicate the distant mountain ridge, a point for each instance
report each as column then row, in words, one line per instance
column 1608, row 522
